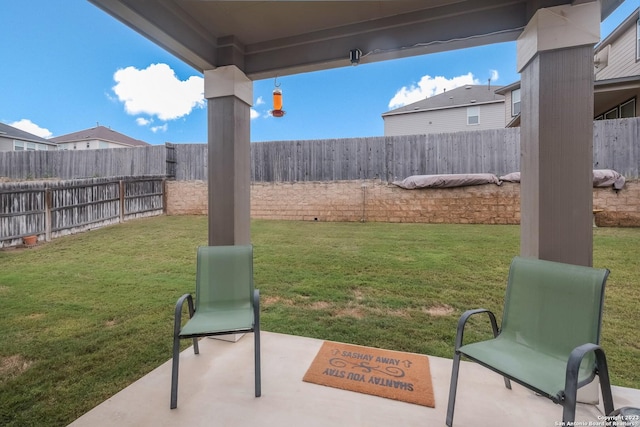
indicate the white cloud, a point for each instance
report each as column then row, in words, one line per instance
column 494, row 75
column 163, row 128
column 260, row 101
column 28, row 126
column 429, row 86
column 254, row 114
column 141, row 121
column 157, row 91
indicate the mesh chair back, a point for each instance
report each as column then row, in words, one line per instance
column 224, row 276
column 553, row 307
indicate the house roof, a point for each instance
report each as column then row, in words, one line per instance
column 508, row 88
column 458, row 97
column 101, row 133
column 7, row 131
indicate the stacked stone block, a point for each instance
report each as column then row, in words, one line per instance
column 377, row 201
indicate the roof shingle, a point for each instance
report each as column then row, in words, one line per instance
column 11, row 132
column 100, row 133
column 460, row 96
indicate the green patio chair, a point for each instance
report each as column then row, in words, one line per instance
column 550, row 334
column 226, row 303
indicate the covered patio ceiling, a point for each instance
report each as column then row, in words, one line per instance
column 269, row 38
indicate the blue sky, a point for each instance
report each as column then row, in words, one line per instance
column 67, row 66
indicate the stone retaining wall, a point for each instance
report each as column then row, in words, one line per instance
column 382, row 202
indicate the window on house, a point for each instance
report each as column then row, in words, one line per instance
column 31, row 146
column 628, row 109
column 515, row 102
column 473, row 115
column 625, row 110
column 611, row 114
column 18, row 146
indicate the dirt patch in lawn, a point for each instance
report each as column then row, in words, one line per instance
column 438, row 310
column 12, row 366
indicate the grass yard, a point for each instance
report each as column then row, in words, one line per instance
column 84, row 316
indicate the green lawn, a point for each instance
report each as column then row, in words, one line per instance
column 86, row 315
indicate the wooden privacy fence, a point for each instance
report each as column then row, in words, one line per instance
column 615, row 146
column 55, row 208
column 497, row 151
column 386, row 158
column 72, row 164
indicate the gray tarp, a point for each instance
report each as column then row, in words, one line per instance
column 607, row 178
column 446, row 181
column 601, row 178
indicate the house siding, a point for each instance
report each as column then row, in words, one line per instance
column 444, row 121
column 6, row 144
column 93, row 145
column 507, row 107
column 622, row 57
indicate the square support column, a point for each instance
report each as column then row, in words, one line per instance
column 229, row 96
column 555, row 58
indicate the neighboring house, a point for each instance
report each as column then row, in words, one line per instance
column 511, row 110
column 13, row 139
column 617, row 69
column 616, row 88
column 94, row 138
column 470, row 107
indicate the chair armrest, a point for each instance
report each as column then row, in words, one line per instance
column 256, row 309
column 178, row 313
column 571, row 380
column 256, row 299
column 575, row 359
column 463, row 321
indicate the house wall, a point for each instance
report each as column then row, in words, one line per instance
column 91, row 144
column 507, row 107
column 444, row 120
column 377, row 201
column 622, row 57
column 6, row 144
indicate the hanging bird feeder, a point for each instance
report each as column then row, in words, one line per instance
column 277, row 101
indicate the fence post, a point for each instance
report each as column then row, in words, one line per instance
column 48, row 203
column 164, row 196
column 121, row 182
column 170, row 154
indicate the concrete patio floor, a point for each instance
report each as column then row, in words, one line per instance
column 216, row 389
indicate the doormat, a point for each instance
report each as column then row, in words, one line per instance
column 386, row 373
